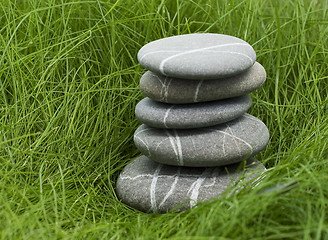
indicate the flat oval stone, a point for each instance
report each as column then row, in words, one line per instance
column 152, row 187
column 197, row 56
column 174, row 90
column 218, row 145
column 192, row 115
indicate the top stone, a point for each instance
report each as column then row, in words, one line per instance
column 197, row 56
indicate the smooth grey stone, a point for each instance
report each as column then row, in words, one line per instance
column 152, row 187
column 218, row 145
column 192, row 115
column 174, row 90
column 197, row 56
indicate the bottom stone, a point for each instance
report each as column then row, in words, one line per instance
column 154, row 187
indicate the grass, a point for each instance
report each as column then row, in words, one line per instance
column 68, row 87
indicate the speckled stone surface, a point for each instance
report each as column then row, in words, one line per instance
column 192, row 115
column 218, row 145
column 153, row 187
column 197, row 56
column 174, row 90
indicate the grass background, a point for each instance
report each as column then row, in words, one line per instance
column 68, row 87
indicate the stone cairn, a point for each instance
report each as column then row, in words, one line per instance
column 196, row 130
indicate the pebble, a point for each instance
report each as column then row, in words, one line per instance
column 217, row 145
column 153, row 187
column 192, row 115
column 197, row 56
column 173, row 90
column 196, row 136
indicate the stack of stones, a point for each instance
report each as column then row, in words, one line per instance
column 196, row 131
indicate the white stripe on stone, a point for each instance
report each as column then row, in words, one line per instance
column 238, row 53
column 171, row 138
column 179, row 148
column 161, row 66
column 197, row 90
column 223, row 146
column 144, row 143
column 163, row 85
column 135, row 177
column 159, row 51
column 172, row 188
column 166, row 90
column 153, row 189
column 159, row 143
column 214, row 176
column 140, row 131
column 234, row 140
column 235, row 137
column 166, row 115
column 176, row 145
column 194, row 188
column 145, row 175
